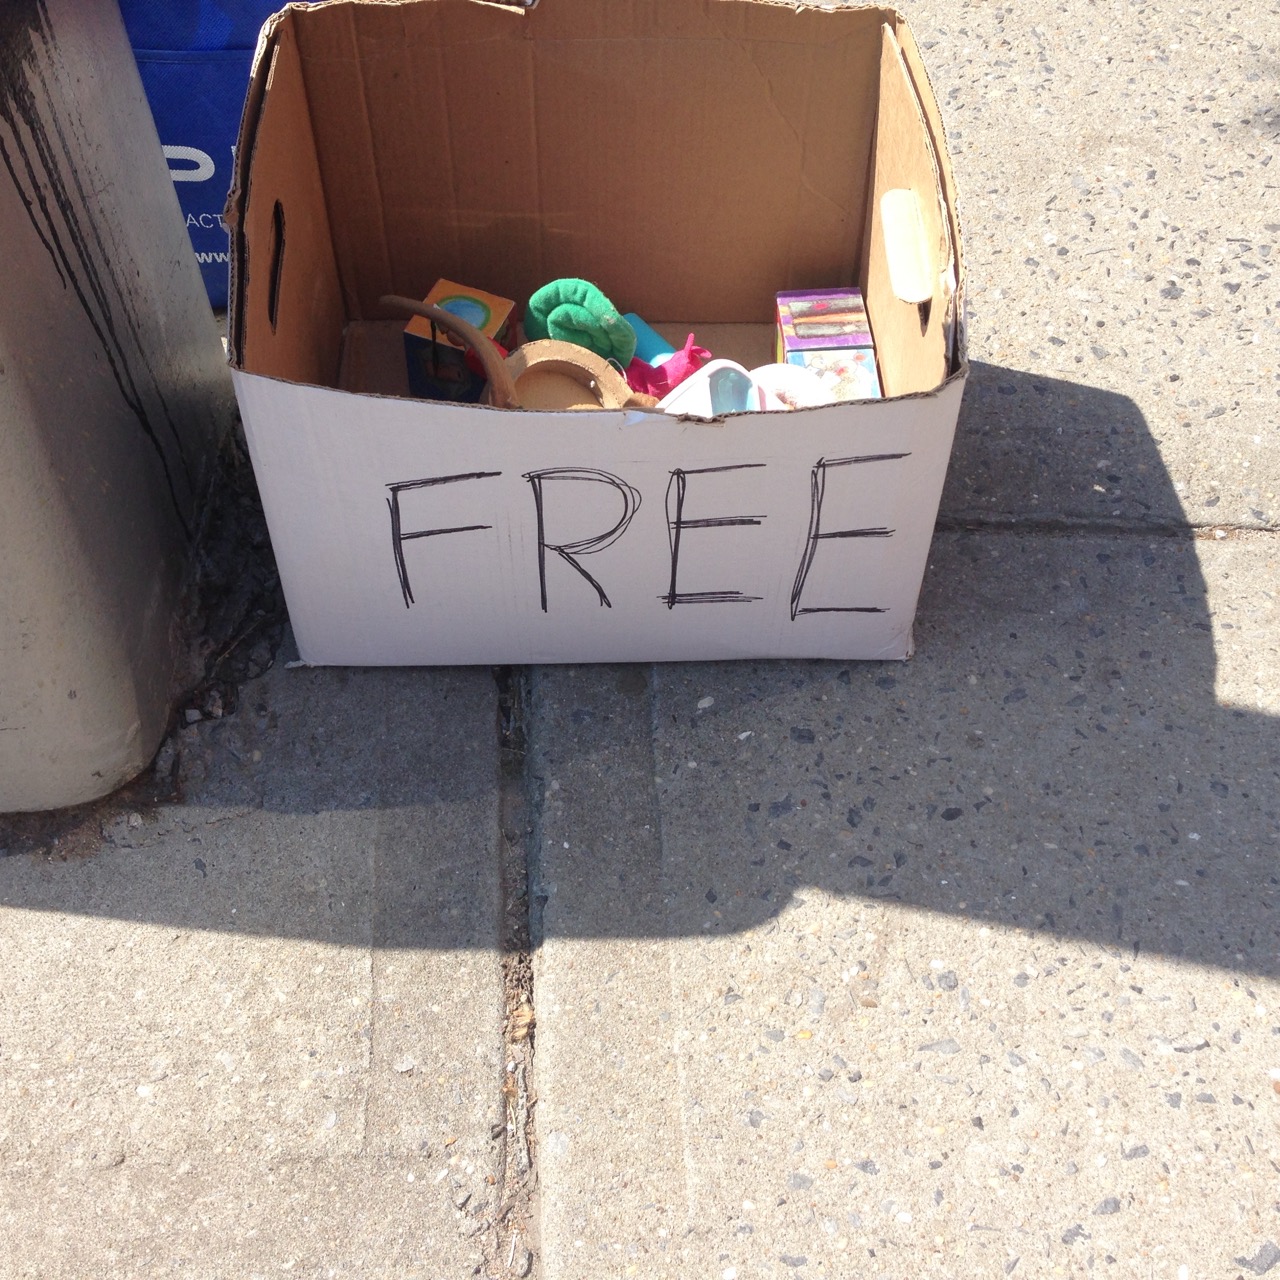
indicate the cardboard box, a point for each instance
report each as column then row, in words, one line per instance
column 411, row 532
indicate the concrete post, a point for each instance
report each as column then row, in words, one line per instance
column 113, row 397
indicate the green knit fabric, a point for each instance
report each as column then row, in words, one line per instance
column 576, row 311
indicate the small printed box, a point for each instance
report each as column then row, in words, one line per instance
column 848, row 373
column 821, row 318
column 827, row 330
column 438, row 370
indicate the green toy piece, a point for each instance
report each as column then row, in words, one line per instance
column 576, row 311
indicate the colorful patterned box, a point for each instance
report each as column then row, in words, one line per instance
column 439, row 370
column 848, row 373
column 827, row 330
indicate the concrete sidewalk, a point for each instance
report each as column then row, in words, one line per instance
column 923, row 970
column 968, row 966
column 260, row 1032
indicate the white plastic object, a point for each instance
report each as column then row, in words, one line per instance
column 789, row 386
column 720, row 386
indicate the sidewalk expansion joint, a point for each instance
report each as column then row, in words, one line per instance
column 1067, row 526
column 512, row 1248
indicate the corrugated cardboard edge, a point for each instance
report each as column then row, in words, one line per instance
column 233, row 213
column 936, row 126
column 910, row 161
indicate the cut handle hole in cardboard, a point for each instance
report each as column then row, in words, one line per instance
column 277, row 264
column 912, row 270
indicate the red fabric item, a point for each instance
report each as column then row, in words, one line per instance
column 658, row 380
column 473, row 360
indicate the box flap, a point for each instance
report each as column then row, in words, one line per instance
column 283, row 263
column 946, row 171
column 506, row 150
column 912, row 335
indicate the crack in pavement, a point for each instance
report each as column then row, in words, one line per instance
column 511, row 1249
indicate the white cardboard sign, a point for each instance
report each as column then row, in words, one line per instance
column 409, row 533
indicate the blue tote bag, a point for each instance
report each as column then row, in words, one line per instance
column 194, row 58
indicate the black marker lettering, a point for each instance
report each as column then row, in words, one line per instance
column 568, row 551
column 398, row 535
column 677, row 525
column 818, row 487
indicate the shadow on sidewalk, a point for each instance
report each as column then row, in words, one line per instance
column 1054, row 757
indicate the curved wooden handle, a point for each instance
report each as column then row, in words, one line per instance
column 502, row 387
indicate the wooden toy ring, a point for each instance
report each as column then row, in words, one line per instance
column 551, row 375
